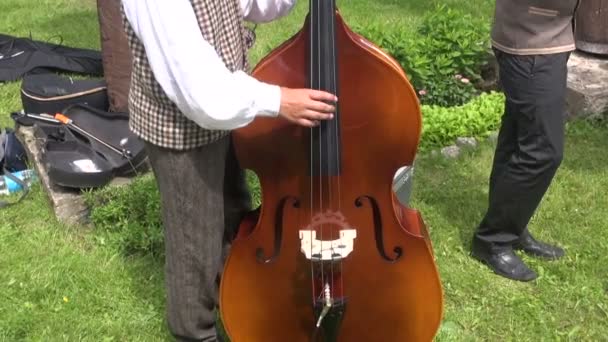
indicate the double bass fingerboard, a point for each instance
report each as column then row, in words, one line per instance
column 323, row 75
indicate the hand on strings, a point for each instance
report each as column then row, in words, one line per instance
column 306, row 107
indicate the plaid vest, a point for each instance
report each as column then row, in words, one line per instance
column 152, row 115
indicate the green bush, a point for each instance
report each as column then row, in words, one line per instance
column 448, row 43
column 128, row 218
column 443, row 58
column 477, row 118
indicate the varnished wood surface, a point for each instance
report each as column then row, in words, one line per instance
column 380, row 130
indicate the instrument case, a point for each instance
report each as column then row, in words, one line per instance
column 20, row 56
column 50, row 93
column 76, row 161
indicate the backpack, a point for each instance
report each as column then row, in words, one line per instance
column 12, row 154
column 12, row 159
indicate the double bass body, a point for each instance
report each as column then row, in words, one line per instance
column 330, row 239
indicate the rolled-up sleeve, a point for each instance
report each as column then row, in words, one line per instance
column 190, row 71
column 262, row 11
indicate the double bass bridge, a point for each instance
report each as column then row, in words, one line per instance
column 332, row 250
column 327, row 250
column 326, row 256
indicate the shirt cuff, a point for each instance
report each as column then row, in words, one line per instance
column 269, row 100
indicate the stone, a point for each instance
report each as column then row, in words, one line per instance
column 587, row 95
column 489, row 74
column 493, row 137
column 466, row 142
column 450, row 151
column 68, row 204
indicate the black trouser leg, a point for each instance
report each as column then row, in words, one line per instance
column 530, row 143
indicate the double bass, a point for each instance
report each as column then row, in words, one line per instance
column 331, row 255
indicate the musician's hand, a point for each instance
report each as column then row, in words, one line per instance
column 306, row 107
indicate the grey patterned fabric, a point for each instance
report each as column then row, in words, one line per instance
column 153, row 116
column 201, row 211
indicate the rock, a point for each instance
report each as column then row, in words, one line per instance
column 489, row 75
column 493, row 137
column 68, row 204
column 450, row 151
column 466, row 142
column 587, row 86
column 587, row 94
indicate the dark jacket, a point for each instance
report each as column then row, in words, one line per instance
column 531, row 27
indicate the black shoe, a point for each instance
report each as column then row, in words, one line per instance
column 539, row 249
column 503, row 262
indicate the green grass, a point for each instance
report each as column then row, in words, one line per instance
column 402, row 12
column 72, row 284
column 120, row 297
column 59, row 286
column 569, row 299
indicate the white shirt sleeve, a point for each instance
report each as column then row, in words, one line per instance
column 190, row 71
column 262, row 11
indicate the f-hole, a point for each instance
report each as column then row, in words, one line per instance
column 278, row 231
column 378, row 229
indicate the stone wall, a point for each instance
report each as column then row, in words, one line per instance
column 587, row 85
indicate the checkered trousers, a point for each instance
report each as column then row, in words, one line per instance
column 153, row 116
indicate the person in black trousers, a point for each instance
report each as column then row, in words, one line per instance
column 532, row 45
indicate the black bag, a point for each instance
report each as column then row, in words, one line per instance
column 22, row 56
column 50, row 93
column 12, row 154
column 74, row 160
column 12, row 159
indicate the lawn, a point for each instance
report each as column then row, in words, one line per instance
column 72, row 284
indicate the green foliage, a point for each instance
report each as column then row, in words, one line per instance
column 71, row 284
column 442, row 58
column 477, row 118
column 568, row 301
column 128, row 218
column 108, row 297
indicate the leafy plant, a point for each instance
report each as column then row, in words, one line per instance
column 128, row 217
column 477, row 118
column 443, row 58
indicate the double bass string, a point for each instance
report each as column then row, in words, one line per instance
column 315, row 70
column 319, row 86
column 322, row 138
column 328, row 87
column 311, row 146
column 336, row 130
column 329, row 135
